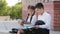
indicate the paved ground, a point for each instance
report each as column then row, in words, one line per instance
column 54, row 32
column 4, row 33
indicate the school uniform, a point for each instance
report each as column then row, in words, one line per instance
column 44, row 29
column 33, row 20
column 31, row 23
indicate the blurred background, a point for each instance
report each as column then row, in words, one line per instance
column 12, row 8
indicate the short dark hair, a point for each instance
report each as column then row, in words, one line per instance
column 39, row 5
column 31, row 7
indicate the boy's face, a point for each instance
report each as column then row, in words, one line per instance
column 39, row 11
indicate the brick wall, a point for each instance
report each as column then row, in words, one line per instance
column 56, row 15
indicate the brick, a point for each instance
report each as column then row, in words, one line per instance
column 56, row 25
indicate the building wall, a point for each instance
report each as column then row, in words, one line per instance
column 57, row 15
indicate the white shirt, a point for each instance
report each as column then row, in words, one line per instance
column 46, row 18
column 33, row 20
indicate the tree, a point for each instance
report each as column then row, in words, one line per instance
column 14, row 11
column 3, row 6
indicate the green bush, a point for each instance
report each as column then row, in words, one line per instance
column 14, row 11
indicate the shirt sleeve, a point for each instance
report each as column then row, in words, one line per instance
column 47, row 22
